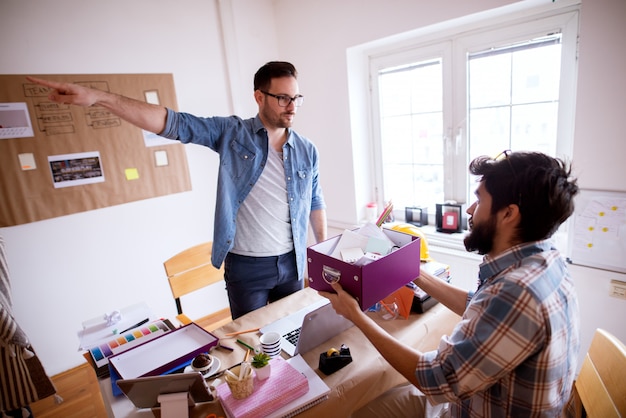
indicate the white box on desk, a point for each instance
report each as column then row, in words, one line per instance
column 165, row 353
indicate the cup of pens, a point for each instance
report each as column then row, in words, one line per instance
column 240, row 380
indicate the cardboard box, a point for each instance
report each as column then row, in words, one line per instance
column 371, row 282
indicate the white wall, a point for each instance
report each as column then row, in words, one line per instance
column 69, row 269
column 58, row 281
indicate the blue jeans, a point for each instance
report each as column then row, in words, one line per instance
column 252, row 282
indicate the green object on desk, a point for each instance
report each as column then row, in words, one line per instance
column 245, row 345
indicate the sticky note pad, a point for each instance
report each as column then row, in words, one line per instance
column 27, row 161
column 152, row 97
column 132, row 174
column 160, row 158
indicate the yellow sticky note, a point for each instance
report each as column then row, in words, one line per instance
column 132, row 174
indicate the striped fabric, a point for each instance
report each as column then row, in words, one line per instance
column 515, row 351
column 23, row 379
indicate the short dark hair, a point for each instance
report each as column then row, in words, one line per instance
column 273, row 69
column 540, row 185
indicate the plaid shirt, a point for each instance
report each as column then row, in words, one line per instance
column 515, row 351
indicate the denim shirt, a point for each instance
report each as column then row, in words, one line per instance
column 243, row 149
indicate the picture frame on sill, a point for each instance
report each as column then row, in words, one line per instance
column 449, row 217
column 416, row 215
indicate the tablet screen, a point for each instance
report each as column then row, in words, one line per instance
column 144, row 391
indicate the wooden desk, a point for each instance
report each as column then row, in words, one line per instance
column 367, row 377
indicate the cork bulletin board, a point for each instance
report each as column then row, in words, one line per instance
column 57, row 160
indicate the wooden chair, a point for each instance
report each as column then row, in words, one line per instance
column 601, row 383
column 191, row 270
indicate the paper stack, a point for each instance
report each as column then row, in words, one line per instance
column 362, row 246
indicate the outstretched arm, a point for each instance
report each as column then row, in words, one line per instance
column 144, row 115
column 454, row 298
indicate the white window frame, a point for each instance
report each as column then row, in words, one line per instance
column 452, row 42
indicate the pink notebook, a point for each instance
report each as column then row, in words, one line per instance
column 284, row 385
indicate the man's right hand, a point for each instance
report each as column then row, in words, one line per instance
column 144, row 115
column 68, row 93
column 343, row 303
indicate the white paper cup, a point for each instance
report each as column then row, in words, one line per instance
column 270, row 344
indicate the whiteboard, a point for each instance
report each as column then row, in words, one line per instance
column 597, row 234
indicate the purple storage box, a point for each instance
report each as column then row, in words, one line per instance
column 164, row 353
column 369, row 283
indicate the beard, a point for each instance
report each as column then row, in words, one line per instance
column 281, row 120
column 480, row 239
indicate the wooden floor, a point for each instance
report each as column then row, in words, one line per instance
column 81, row 396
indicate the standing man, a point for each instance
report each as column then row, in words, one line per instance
column 268, row 183
column 514, row 353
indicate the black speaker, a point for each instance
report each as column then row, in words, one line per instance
column 416, row 215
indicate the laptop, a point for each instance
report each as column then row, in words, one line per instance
column 309, row 327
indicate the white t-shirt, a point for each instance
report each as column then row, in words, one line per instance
column 263, row 220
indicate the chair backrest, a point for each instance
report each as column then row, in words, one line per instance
column 601, row 383
column 191, row 270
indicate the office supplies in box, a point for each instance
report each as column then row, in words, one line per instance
column 163, row 354
column 421, row 300
column 371, row 280
column 124, row 341
column 100, row 329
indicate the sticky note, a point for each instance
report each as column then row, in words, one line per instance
column 160, row 158
column 152, row 97
column 27, row 161
column 132, row 174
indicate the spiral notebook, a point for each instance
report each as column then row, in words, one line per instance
column 318, row 390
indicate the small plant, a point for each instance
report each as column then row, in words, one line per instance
column 260, row 360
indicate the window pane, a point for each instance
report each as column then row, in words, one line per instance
column 395, row 97
column 513, row 96
column 489, row 131
column 535, row 75
column 534, row 127
column 412, row 134
column 490, row 82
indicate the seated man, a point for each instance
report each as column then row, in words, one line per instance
column 514, row 353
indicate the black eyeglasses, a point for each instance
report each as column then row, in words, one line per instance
column 284, row 100
column 504, row 155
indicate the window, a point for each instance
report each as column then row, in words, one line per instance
column 439, row 102
column 411, row 118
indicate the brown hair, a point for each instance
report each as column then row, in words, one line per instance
column 273, row 69
column 540, row 185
